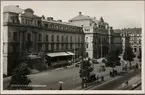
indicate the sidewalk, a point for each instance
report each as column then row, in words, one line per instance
column 131, row 83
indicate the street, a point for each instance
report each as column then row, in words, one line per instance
column 112, row 85
column 69, row 76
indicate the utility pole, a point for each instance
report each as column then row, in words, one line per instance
column 83, row 46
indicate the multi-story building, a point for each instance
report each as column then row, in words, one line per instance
column 25, row 32
column 131, row 36
column 98, row 35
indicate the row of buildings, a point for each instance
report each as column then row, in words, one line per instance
column 132, row 37
column 26, row 33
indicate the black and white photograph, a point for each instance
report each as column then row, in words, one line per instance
column 72, row 46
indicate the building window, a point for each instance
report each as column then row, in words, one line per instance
column 62, row 38
column 135, row 49
column 46, row 25
column 57, row 38
column 28, row 36
column 71, row 46
column 15, row 36
column 13, row 19
column 139, row 41
column 57, row 46
column 86, row 39
column 40, row 37
column 87, row 45
column 46, row 47
column 46, row 37
column 79, row 39
column 52, row 38
column 87, row 30
column 70, row 38
column 66, row 38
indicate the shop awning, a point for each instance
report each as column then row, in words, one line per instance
column 70, row 53
column 33, row 56
column 57, row 54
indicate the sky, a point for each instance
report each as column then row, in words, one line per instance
column 118, row 14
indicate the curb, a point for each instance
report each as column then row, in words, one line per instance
column 138, row 84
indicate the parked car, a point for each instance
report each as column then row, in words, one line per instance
column 102, row 68
column 77, row 64
column 104, row 60
column 91, row 78
column 95, row 61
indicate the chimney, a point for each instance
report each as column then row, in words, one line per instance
column 80, row 13
column 59, row 20
column 43, row 17
column 17, row 6
column 49, row 18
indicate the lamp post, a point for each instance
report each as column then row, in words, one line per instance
column 101, row 47
column 74, row 49
column 60, row 82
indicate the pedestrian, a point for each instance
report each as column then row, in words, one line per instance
column 126, row 83
column 102, row 78
column 110, row 74
column 136, row 65
column 97, row 77
column 60, row 88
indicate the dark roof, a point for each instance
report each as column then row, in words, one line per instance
column 13, row 9
column 64, row 23
column 128, row 30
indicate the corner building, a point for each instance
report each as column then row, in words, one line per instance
column 98, row 35
column 26, row 33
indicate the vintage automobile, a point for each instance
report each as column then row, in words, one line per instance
column 102, row 68
column 95, row 61
column 91, row 78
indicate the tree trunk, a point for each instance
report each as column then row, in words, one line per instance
column 130, row 64
column 82, row 83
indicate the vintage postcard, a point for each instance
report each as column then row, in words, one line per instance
column 74, row 47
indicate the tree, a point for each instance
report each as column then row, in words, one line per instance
column 19, row 79
column 85, row 70
column 128, row 54
column 139, row 56
column 112, row 58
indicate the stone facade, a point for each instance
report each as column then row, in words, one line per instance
column 131, row 36
column 25, row 32
column 98, row 35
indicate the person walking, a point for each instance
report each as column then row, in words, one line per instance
column 97, row 77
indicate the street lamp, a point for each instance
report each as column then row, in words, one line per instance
column 74, row 49
column 60, row 82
